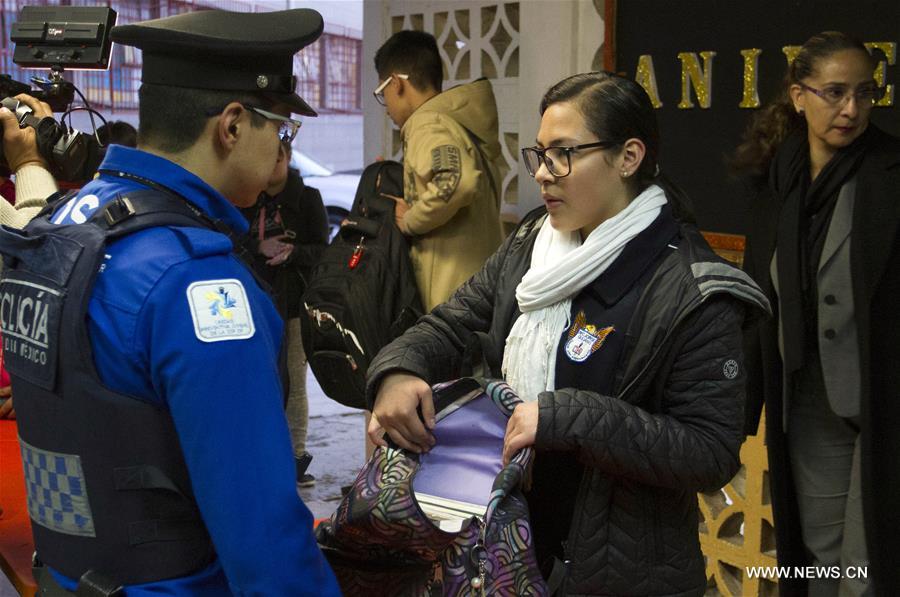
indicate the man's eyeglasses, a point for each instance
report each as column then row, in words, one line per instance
column 287, row 127
column 557, row 159
column 379, row 91
column 839, row 95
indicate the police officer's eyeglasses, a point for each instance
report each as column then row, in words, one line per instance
column 287, row 127
column 839, row 95
column 379, row 91
column 557, row 159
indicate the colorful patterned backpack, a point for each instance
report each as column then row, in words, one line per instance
column 406, row 526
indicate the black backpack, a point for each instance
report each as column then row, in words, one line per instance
column 362, row 293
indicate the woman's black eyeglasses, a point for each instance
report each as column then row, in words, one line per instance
column 557, row 159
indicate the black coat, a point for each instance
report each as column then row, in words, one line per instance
column 672, row 428
column 304, row 216
column 875, row 270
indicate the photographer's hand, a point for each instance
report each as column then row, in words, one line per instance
column 20, row 144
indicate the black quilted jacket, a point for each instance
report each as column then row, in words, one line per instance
column 672, row 428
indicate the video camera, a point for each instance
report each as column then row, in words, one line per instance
column 58, row 37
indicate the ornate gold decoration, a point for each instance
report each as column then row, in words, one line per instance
column 890, row 52
column 751, row 76
column 698, row 78
column 736, row 529
column 646, row 77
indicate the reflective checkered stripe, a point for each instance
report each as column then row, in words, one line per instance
column 56, row 491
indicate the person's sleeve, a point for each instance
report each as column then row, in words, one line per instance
column 226, row 401
column 433, row 349
column 446, row 176
column 693, row 442
column 308, row 249
column 33, row 185
column 753, row 354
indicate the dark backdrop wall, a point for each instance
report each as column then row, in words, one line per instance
column 696, row 140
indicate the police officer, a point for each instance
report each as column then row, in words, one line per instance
column 143, row 352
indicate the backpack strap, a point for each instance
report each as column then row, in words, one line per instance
column 368, row 200
column 518, row 471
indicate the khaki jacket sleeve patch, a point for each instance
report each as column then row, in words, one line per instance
column 446, row 169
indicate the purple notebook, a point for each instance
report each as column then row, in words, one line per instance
column 467, row 455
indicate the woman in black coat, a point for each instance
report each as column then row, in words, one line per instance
column 620, row 329
column 823, row 244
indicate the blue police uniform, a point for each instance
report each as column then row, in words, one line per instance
column 155, row 327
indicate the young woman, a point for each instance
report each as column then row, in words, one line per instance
column 824, row 245
column 620, row 328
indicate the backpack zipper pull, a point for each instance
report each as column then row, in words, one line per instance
column 357, row 254
column 477, row 583
column 478, row 555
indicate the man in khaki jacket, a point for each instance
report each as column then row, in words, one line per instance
column 450, row 210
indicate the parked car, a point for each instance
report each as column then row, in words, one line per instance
column 337, row 188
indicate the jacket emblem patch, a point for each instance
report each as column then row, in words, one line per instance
column 585, row 339
column 730, row 369
column 220, row 310
column 445, row 164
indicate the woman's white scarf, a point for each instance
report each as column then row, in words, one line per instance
column 561, row 265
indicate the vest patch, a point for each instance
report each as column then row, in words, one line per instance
column 56, row 491
column 220, row 310
column 30, row 313
column 585, row 339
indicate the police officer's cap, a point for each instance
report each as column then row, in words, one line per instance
column 222, row 50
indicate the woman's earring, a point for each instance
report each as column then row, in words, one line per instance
column 625, row 174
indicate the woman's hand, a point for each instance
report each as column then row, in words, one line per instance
column 399, row 395
column 273, row 246
column 520, row 430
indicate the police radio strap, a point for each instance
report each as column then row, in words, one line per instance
column 54, row 201
column 240, row 246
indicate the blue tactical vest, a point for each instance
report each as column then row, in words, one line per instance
column 107, row 486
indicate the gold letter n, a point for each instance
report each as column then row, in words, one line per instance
column 693, row 76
